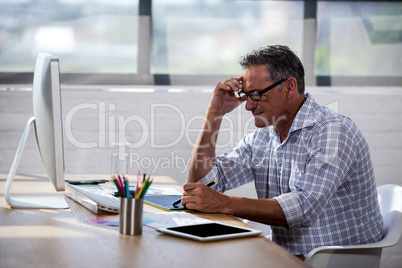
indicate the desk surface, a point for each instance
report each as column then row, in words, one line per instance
column 62, row 238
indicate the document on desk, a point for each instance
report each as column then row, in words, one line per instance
column 166, row 219
column 162, row 191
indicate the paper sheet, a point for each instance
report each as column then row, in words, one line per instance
column 167, row 219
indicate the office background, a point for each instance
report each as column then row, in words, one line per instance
column 142, row 72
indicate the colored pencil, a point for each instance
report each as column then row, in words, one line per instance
column 121, row 183
column 127, row 186
column 138, row 182
column 142, row 191
column 117, row 185
column 146, row 188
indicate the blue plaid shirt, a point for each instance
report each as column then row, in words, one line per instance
column 321, row 175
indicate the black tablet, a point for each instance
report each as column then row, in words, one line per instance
column 209, row 231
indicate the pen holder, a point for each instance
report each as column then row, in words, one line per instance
column 131, row 216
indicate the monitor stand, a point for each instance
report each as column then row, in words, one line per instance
column 27, row 202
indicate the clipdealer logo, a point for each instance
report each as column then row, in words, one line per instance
column 163, row 126
column 113, row 128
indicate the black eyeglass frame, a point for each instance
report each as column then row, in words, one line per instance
column 256, row 95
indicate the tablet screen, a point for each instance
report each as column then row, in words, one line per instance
column 209, row 229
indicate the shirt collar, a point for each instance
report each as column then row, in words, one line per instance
column 304, row 117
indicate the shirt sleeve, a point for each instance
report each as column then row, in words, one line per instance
column 234, row 168
column 331, row 155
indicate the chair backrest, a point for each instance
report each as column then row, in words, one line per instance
column 392, row 229
column 366, row 255
column 390, row 198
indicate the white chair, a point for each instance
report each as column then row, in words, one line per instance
column 367, row 255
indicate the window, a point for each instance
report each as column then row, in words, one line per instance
column 359, row 39
column 97, row 36
column 208, row 37
column 193, row 42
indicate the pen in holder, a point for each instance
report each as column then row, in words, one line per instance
column 131, row 207
column 131, row 216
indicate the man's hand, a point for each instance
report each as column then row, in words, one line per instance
column 202, row 198
column 224, row 99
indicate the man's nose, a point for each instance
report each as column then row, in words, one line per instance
column 250, row 104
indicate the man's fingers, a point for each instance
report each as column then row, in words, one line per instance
column 190, row 186
column 232, row 84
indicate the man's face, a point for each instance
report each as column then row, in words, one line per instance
column 268, row 110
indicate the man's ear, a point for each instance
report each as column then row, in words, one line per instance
column 291, row 88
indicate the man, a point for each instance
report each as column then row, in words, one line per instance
column 310, row 165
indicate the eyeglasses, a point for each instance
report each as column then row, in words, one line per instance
column 256, row 95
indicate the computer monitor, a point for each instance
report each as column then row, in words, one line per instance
column 48, row 130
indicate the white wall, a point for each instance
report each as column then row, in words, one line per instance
column 164, row 126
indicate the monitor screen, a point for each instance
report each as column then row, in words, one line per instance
column 47, row 124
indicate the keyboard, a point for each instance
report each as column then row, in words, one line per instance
column 101, row 196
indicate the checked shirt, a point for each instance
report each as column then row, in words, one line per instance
column 321, row 175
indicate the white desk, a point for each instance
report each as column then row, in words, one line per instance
column 62, row 238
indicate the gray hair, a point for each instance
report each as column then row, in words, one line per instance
column 280, row 61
